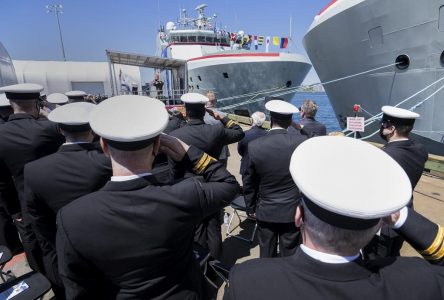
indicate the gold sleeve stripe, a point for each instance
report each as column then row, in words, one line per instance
column 436, row 256
column 200, row 162
column 205, row 164
column 436, row 243
column 230, row 123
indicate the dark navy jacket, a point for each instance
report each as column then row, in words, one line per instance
column 313, row 127
column 242, row 147
column 269, row 189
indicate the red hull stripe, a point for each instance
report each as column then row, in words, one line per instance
column 325, row 8
column 236, row 55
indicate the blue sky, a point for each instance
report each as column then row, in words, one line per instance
column 90, row 26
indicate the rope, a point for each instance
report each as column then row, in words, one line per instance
column 252, row 100
column 379, row 115
column 354, row 75
column 412, row 108
column 293, row 89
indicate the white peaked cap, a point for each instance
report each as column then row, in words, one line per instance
column 129, row 118
column 22, row 91
column 22, row 88
column 73, row 94
column 4, row 102
column 399, row 113
column 349, row 177
column 194, row 98
column 57, row 98
column 281, row 107
column 72, row 114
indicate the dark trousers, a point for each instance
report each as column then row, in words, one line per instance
column 269, row 233
column 30, row 243
column 209, row 236
column 8, row 233
column 52, row 273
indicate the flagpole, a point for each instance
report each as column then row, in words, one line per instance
column 291, row 34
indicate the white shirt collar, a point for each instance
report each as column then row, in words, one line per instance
column 276, row 128
column 75, row 143
column 327, row 258
column 399, row 140
column 129, row 177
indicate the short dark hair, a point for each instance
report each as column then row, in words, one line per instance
column 195, row 111
column 284, row 123
column 403, row 130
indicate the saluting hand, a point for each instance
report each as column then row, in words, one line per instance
column 173, row 147
column 214, row 114
column 392, row 219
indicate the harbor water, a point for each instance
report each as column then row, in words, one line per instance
column 325, row 112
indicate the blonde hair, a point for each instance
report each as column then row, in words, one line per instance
column 310, row 108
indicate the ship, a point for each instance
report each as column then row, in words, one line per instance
column 7, row 71
column 378, row 52
column 241, row 79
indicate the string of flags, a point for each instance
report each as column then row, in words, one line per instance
column 248, row 40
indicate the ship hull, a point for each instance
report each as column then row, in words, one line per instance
column 242, row 82
column 373, row 34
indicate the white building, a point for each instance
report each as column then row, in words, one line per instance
column 91, row 77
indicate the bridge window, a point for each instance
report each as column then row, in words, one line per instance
column 225, row 75
column 200, row 78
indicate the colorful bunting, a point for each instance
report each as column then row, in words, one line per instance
column 247, row 40
column 284, row 43
column 260, row 40
column 276, row 40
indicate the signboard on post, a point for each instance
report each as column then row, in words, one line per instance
column 355, row 124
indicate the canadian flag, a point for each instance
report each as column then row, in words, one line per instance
column 267, row 43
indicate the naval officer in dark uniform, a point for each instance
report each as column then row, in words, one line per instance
column 25, row 137
column 339, row 214
column 211, row 139
column 8, row 232
column 76, row 169
column 270, row 194
column 397, row 123
column 133, row 238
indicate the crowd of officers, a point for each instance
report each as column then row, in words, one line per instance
column 110, row 200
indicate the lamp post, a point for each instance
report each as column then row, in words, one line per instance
column 57, row 9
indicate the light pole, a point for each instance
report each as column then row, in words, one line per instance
column 57, row 9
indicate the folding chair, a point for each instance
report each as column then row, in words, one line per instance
column 202, row 256
column 220, row 269
column 240, row 210
column 30, row 286
column 5, row 257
